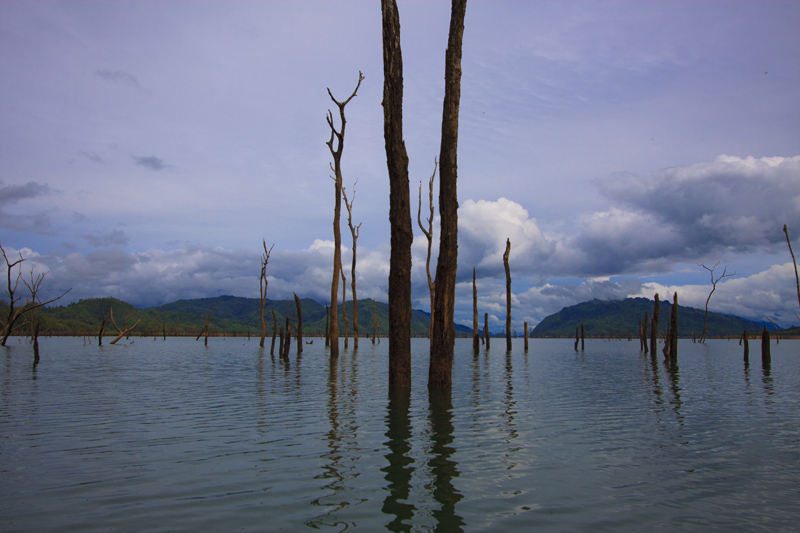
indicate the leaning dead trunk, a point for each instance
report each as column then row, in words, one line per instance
column 508, row 293
column 399, row 201
column 441, row 363
column 121, row 332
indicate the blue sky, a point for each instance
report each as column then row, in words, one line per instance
column 147, row 147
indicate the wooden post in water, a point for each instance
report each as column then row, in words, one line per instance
column 766, row 357
column 746, row 347
column 526, row 336
column 299, row 324
column 476, row 339
column 583, row 338
column 280, row 344
column 673, row 326
column 288, row 341
column 577, row 336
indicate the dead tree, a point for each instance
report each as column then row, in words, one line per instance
column 526, row 336
column 714, row 281
column 337, row 138
column 583, row 337
column 746, row 347
column 428, row 232
column 441, row 362
column 476, row 339
column 673, row 326
column 299, row 324
column 766, row 356
column 399, row 201
column 794, row 261
column 327, row 325
column 274, row 330
column 486, row 329
column 344, row 308
column 102, row 331
column 654, row 328
column 120, row 331
column 354, row 231
column 508, row 293
column 15, row 310
column 644, row 331
column 280, row 343
column 263, row 289
column 287, row 343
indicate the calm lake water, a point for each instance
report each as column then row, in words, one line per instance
column 173, row 436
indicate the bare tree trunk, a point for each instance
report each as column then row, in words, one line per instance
column 399, row 201
column 344, row 308
column 354, row 231
column 274, row 329
column 583, row 337
column 746, row 343
column 714, row 282
column 577, row 336
column 508, row 293
column 526, row 336
column 299, row 324
column 766, row 356
column 654, row 328
column 428, row 232
column 263, row 290
column 280, row 344
column 441, row 363
column 336, row 152
column 476, row 339
column 102, row 330
column 673, row 325
column 644, row 331
column 288, row 342
column 486, row 329
column 35, row 337
column 374, row 322
column 794, row 261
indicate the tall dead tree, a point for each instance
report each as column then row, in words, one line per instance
column 476, row 339
column 714, row 281
column 336, row 146
column 299, row 324
column 428, row 232
column 441, row 362
column 263, row 289
column 354, row 231
column 507, row 268
column 205, row 329
column 399, row 201
column 17, row 308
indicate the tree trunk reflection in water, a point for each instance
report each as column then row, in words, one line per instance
column 443, row 468
column 401, row 466
column 340, row 466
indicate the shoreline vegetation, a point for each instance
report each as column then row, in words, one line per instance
column 240, row 317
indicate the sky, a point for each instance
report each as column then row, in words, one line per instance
column 147, row 148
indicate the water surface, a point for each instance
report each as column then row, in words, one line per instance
column 173, row 436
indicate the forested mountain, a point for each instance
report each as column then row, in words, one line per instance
column 229, row 315
column 621, row 318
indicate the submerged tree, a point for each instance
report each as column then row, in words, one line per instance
column 399, row 201
column 714, row 281
column 337, row 139
column 31, row 303
column 263, row 289
column 507, row 268
column 476, row 340
column 121, row 332
column 441, row 362
column 428, row 232
column 354, row 231
column 344, row 308
column 299, row 324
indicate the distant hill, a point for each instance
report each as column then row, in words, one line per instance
column 232, row 315
column 621, row 318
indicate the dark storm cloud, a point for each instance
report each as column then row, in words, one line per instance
column 150, row 162
column 13, row 194
column 682, row 214
column 92, row 157
column 112, row 238
column 118, row 76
